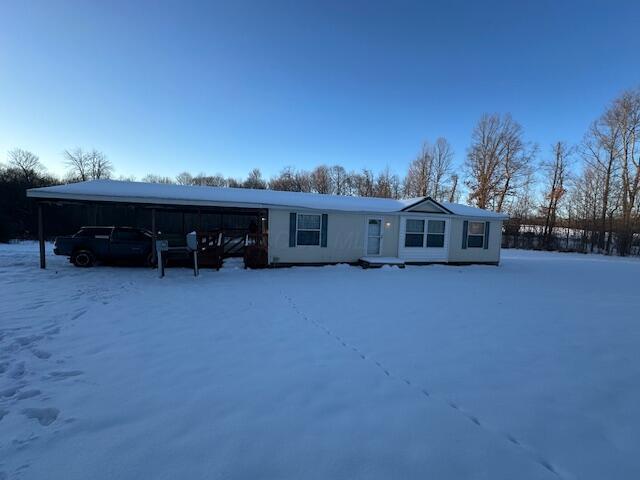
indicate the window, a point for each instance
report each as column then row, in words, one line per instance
column 414, row 236
column 308, row 229
column 129, row 235
column 435, row 233
column 475, row 236
column 92, row 232
column 415, row 233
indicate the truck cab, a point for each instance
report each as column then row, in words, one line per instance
column 106, row 244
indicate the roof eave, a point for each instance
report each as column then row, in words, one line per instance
column 81, row 197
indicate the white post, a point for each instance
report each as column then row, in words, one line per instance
column 161, row 246
column 160, row 264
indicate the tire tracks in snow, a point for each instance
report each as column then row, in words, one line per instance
column 425, row 394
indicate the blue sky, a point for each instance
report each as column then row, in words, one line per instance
column 163, row 87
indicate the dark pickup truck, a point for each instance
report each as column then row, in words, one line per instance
column 106, row 244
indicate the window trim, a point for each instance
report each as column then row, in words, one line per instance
column 424, row 224
column 319, row 229
column 443, row 234
column 469, row 234
column 425, row 232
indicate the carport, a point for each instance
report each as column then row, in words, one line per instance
column 60, row 215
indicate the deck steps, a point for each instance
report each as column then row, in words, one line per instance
column 377, row 262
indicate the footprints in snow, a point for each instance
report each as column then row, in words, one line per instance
column 425, row 393
column 44, row 416
column 79, row 313
column 17, row 371
column 19, row 342
column 28, row 394
column 63, row 375
column 41, row 354
column 513, row 440
column 26, row 341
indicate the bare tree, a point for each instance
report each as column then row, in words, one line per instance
column 442, row 159
column 90, row 165
column 555, row 171
column 515, row 168
column 126, row 178
column 484, row 159
column 600, row 149
column 290, row 180
column 498, row 161
column 626, row 110
column 26, row 162
column 153, row 178
column 255, row 180
column 387, row 185
column 99, row 166
column 216, row 180
column 234, row 183
column 363, row 183
column 77, row 164
column 321, row 179
column 586, row 201
column 184, row 178
column 453, row 193
column 340, row 180
column 303, row 181
column 420, row 174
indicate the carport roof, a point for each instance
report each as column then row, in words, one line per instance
column 164, row 194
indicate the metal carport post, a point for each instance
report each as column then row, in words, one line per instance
column 43, row 262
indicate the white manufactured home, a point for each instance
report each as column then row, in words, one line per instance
column 306, row 228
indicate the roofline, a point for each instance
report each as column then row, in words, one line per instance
column 188, row 203
column 431, row 200
column 151, row 201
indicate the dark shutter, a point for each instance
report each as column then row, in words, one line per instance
column 292, row 229
column 465, row 230
column 323, row 230
column 486, row 235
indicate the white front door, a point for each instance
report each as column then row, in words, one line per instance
column 374, row 236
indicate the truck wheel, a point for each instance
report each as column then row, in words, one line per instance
column 83, row 258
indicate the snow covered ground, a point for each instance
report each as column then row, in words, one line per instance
column 530, row 370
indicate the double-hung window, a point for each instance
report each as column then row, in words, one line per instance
column 308, row 229
column 414, row 235
column 475, row 236
column 435, row 233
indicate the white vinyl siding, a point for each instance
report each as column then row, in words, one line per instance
column 424, row 239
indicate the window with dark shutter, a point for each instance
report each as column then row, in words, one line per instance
column 308, row 229
column 476, row 235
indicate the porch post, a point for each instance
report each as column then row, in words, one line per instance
column 153, row 233
column 43, row 262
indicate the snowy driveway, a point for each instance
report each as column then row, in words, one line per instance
column 528, row 370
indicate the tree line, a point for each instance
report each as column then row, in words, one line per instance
column 429, row 174
column 591, row 189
